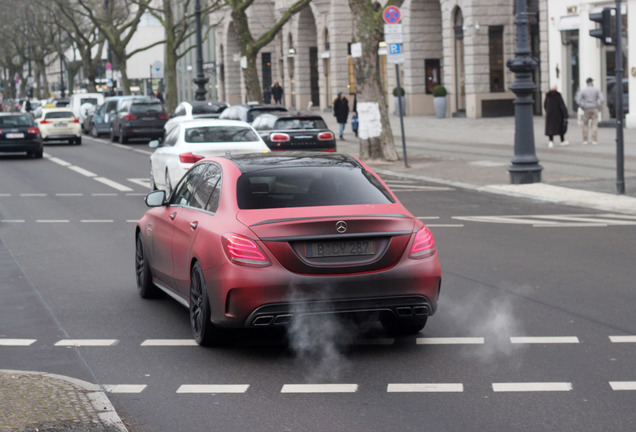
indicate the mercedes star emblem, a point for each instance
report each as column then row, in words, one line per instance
column 341, row 226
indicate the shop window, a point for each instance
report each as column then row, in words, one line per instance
column 496, row 55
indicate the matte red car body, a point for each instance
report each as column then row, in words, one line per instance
column 240, row 295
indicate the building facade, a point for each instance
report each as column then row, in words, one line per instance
column 574, row 55
column 461, row 44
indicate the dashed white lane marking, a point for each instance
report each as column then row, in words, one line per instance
column 450, row 341
column 145, row 182
column 319, row 388
column 532, row 387
column 213, row 388
column 545, row 340
column 169, row 342
column 623, row 385
column 12, row 220
column 104, row 194
column 52, row 221
column 445, row 225
column 17, row 342
column 113, row 184
column 82, row 171
column 425, row 388
column 32, row 194
column 124, row 388
column 97, row 221
column 623, row 339
column 69, row 194
column 86, row 342
column 57, row 160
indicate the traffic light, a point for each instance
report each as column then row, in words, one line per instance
column 607, row 31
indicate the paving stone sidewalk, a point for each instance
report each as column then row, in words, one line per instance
column 35, row 401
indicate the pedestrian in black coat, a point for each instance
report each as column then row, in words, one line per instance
column 556, row 116
column 341, row 111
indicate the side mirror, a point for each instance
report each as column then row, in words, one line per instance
column 156, row 198
column 154, row 144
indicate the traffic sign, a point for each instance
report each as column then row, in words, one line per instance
column 395, row 48
column 393, row 33
column 392, row 15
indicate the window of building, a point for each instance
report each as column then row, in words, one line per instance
column 496, row 54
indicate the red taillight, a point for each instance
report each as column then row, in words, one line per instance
column 328, row 151
column 325, row 136
column 165, row 116
column 45, row 121
column 423, row 245
column 243, row 251
column 190, row 158
column 34, row 131
column 279, row 137
column 75, row 120
column 131, row 117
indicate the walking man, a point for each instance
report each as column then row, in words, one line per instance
column 277, row 93
column 590, row 99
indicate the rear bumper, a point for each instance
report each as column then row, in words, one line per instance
column 61, row 137
column 20, row 146
column 253, row 297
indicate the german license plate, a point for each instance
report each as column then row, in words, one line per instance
column 340, row 248
column 15, row 135
column 148, row 118
column 61, row 124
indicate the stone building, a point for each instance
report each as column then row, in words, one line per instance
column 461, row 44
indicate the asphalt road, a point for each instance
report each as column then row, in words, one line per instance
column 532, row 332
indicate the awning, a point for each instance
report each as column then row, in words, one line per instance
column 571, row 22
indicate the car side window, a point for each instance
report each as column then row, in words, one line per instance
column 187, row 185
column 171, row 138
column 124, row 107
column 205, row 188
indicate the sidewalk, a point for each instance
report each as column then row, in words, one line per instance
column 35, row 401
column 476, row 153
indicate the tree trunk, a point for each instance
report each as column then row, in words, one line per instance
column 252, row 82
column 170, row 67
column 376, row 136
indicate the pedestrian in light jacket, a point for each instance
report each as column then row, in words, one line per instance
column 590, row 100
column 556, row 116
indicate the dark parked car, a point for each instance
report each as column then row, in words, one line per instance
column 260, row 240
column 194, row 110
column 19, row 133
column 611, row 96
column 98, row 122
column 248, row 113
column 287, row 131
column 138, row 118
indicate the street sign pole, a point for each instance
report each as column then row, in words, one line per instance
column 618, row 86
column 393, row 36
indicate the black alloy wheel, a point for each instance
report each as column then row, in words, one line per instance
column 203, row 331
column 145, row 287
column 123, row 139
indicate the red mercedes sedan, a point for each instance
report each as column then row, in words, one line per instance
column 258, row 240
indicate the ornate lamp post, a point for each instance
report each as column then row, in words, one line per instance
column 524, row 166
column 200, row 79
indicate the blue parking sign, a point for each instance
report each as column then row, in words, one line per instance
column 395, row 48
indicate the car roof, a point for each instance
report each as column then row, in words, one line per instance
column 199, row 122
column 249, row 162
column 60, row 109
column 292, row 115
column 13, row 114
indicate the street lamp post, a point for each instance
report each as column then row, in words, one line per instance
column 524, row 166
column 62, row 88
column 200, row 79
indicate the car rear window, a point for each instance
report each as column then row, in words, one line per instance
column 208, row 134
column 151, row 107
column 92, row 101
column 59, row 115
column 300, row 123
column 309, row 186
column 253, row 113
column 15, row 121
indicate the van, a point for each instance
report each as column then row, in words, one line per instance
column 78, row 100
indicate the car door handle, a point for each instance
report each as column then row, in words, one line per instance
column 173, row 215
column 194, row 224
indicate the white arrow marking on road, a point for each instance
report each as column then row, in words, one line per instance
column 113, row 184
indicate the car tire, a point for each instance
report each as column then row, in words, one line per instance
column 113, row 138
column 204, row 332
column 122, row 138
column 145, row 287
column 396, row 326
column 78, row 141
column 38, row 154
column 93, row 131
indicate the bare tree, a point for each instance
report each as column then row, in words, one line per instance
column 250, row 47
column 376, row 137
column 180, row 27
column 118, row 23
